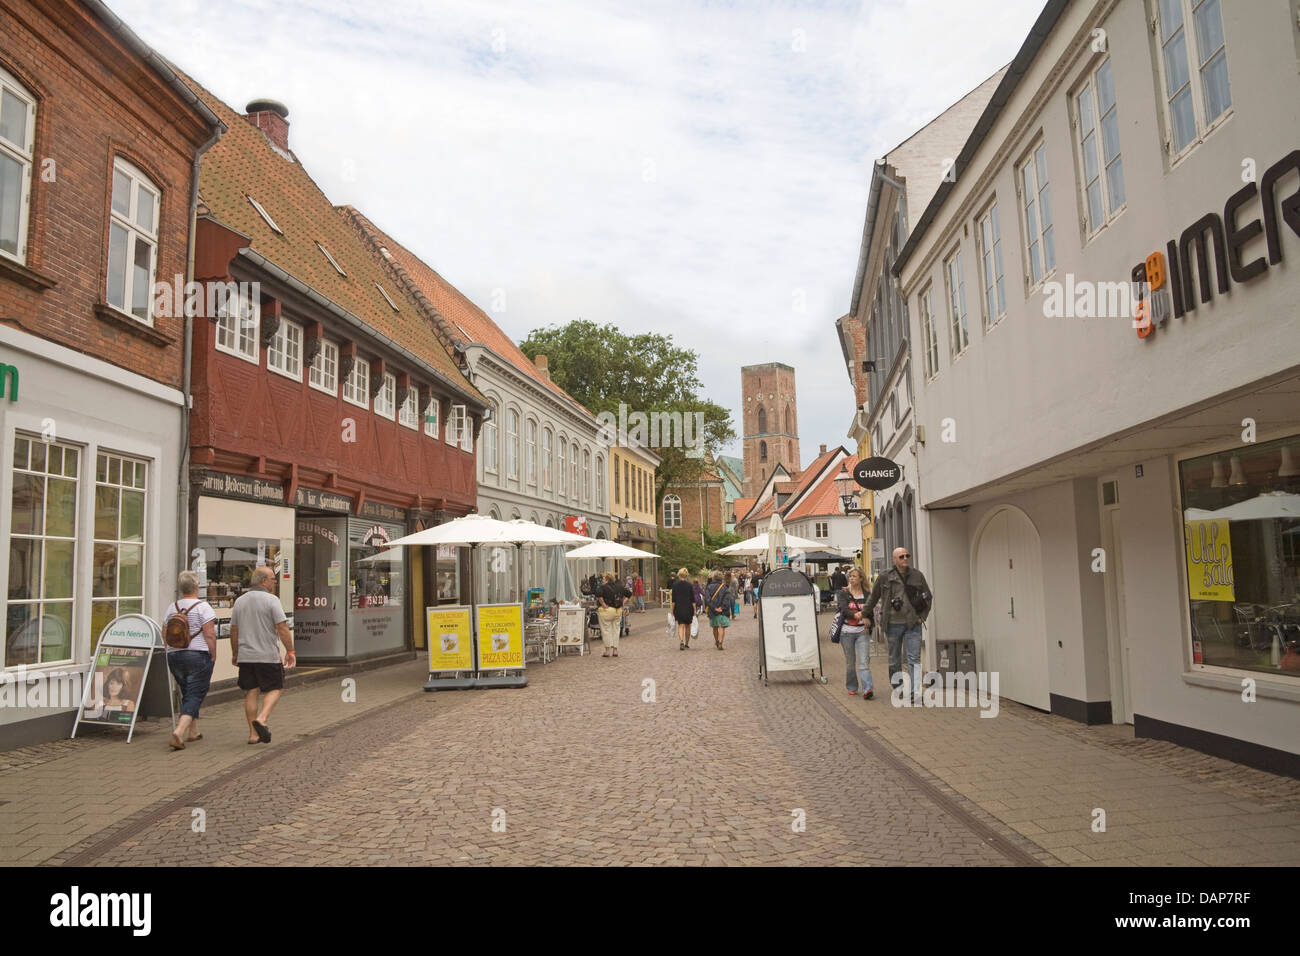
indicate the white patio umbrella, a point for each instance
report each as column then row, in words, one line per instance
column 608, row 549
column 759, row 545
column 1269, row 504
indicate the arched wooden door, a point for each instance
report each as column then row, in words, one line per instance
column 1010, row 623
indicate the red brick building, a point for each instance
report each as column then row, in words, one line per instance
column 329, row 419
column 99, row 142
column 690, row 506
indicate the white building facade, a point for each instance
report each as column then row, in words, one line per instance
column 1112, row 509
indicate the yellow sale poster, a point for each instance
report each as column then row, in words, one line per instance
column 451, row 646
column 1209, row 560
column 500, row 636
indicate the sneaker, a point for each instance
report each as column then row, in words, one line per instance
column 853, row 693
column 869, row 695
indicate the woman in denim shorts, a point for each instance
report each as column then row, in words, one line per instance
column 192, row 665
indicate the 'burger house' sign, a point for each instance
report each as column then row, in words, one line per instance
column 1171, row 282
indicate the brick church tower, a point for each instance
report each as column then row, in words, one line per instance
column 771, row 424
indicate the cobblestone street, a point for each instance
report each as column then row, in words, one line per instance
column 587, row 772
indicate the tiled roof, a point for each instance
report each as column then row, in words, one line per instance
column 806, row 477
column 469, row 323
column 742, row 507
column 243, row 163
column 824, row 499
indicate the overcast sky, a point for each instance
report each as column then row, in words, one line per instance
column 695, row 168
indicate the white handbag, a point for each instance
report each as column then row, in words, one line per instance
column 695, row 627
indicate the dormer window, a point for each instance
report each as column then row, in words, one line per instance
column 264, row 214
column 332, row 261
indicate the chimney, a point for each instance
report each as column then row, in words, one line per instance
column 272, row 118
column 823, row 450
column 543, row 366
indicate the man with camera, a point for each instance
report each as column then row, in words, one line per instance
column 905, row 602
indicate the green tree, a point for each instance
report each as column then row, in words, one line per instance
column 682, row 551
column 601, row 366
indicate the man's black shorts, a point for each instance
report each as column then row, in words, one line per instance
column 263, row 677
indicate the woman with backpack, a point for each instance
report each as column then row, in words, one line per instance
column 189, row 626
column 718, row 599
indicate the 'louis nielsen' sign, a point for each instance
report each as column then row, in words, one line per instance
column 1228, row 239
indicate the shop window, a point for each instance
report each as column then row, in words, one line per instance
column 1241, row 525
column 118, row 571
column 284, row 354
column 386, row 397
column 132, row 242
column 237, row 324
column 356, row 387
column 1193, row 65
column 1036, row 207
column 376, row 586
column 1096, row 122
column 42, row 552
column 672, row 511
column 17, row 133
column 324, row 373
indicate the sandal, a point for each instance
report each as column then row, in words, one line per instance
column 176, row 743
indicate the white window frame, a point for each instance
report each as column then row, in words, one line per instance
column 136, row 233
column 243, row 328
column 1202, row 124
column 530, row 451
column 988, row 250
column 1110, row 210
column 562, row 461
column 821, row 529
column 408, row 413
column 386, row 397
column 283, row 356
column 586, row 475
column 326, row 360
column 600, row 482
column 26, row 158
column 434, row 411
column 488, row 441
column 512, row 444
column 673, row 514
column 548, row 457
column 929, row 337
column 1033, row 188
column 358, row 383
column 954, row 284
column 573, row 474
column 465, row 432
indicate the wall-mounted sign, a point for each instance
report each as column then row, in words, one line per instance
column 322, row 500
column 244, row 487
column 877, row 473
column 382, row 512
column 575, row 525
column 9, row 378
column 1227, row 238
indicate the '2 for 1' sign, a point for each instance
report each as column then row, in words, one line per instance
column 790, row 632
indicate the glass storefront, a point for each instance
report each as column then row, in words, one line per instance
column 230, row 561
column 320, row 599
column 376, row 587
column 1241, row 520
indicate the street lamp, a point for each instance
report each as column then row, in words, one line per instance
column 847, row 488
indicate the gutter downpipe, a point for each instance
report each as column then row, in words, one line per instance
column 182, row 480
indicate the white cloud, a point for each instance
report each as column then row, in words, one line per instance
column 695, row 170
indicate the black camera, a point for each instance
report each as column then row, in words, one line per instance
column 896, row 603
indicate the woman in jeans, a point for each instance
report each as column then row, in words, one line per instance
column 192, row 666
column 855, row 635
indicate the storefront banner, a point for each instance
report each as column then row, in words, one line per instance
column 1209, row 560
column 451, row 645
column 240, row 486
column 500, row 637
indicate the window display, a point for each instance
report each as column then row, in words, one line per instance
column 230, row 564
column 376, row 587
column 1241, row 520
column 319, row 599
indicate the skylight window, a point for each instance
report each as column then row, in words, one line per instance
column 334, row 262
column 387, row 298
column 264, row 214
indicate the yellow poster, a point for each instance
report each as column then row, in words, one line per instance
column 1209, row 560
column 451, row 646
column 500, row 636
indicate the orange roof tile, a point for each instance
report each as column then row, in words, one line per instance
column 742, row 507
column 243, row 163
column 467, row 322
column 824, row 499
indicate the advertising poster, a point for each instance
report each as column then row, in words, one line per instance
column 500, row 636
column 115, row 684
column 451, row 645
column 790, row 632
column 1209, row 560
column 569, row 631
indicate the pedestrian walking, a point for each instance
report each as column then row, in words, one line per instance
column 258, row 623
column 718, row 601
column 638, row 592
column 610, row 596
column 749, row 588
column 192, row 664
column 855, row 634
column 905, row 603
column 839, row 580
column 699, row 596
column 683, row 597
column 758, row 585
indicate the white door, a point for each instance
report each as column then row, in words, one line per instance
column 1011, row 634
column 1121, row 698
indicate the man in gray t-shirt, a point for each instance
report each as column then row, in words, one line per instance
column 257, row 627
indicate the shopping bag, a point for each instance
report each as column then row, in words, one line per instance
column 672, row 624
column 735, row 609
column 695, row 627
